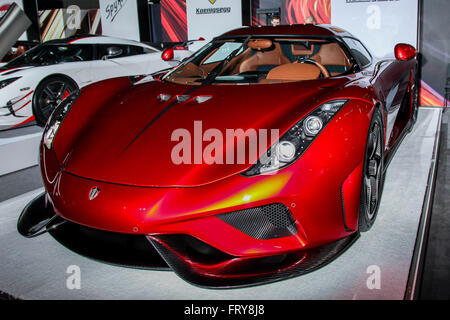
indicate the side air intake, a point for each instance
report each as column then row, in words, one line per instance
column 265, row 222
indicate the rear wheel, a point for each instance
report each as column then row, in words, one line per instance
column 49, row 93
column 373, row 174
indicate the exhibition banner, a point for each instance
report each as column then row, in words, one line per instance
column 294, row 11
column 173, row 20
column 120, row 18
column 379, row 24
column 65, row 22
column 210, row 18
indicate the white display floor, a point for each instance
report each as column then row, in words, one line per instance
column 19, row 149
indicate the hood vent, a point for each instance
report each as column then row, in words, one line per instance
column 183, row 98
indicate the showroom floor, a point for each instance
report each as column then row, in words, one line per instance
column 37, row 268
column 436, row 275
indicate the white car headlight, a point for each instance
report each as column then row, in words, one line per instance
column 6, row 82
column 312, row 125
column 291, row 145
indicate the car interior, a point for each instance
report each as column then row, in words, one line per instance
column 266, row 60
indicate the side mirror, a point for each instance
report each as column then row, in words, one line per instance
column 404, row 52
column 112, row 52
column 167, row 54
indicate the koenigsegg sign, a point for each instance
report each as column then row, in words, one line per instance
column 210, row 18
column 213, row 10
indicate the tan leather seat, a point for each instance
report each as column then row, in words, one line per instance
column 331, row 54
column 294, row 72
column 301, row 50
column 273, row 56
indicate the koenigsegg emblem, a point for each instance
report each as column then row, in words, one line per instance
column 93, row 193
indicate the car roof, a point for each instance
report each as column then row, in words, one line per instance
column 95, row 39
column 322, row 30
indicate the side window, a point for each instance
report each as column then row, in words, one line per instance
column 149, row 50
column 140, row 50
column 358, row 51
column 84, row 52
column 65, row 53
column 134, row 50
column 112, row 51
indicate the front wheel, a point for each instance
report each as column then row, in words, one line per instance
column 49, row 93
column 373, row 174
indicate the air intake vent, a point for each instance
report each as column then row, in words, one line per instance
column 266, row 222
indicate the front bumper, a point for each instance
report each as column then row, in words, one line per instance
column 191, row 259
column 201, row 212
column 15, row 111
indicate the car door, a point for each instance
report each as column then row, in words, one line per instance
column 73, row 60
column 393, row 81
column 395, row 78
column 115, row 60
column 79, row 68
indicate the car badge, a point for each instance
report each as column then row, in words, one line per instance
column 93, row 193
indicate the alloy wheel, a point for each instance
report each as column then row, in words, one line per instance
column 373, row 173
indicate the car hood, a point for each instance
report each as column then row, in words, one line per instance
column 129, row 140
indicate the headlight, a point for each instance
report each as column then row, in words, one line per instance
column 291, row 145
column 4, row 83
column 57, row 117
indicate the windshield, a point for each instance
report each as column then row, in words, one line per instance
column 47, row 54
column 262, row 60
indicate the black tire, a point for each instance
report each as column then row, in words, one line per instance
column 48, row 94
column 373, row 173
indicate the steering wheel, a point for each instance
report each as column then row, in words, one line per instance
column 321, row 67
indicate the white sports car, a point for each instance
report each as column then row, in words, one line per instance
column 32, row 84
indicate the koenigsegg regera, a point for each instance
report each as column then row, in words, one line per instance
column 147, row 173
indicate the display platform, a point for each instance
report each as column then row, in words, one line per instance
column 19, row 148
column 38, row 268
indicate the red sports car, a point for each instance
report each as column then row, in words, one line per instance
column 260, row 157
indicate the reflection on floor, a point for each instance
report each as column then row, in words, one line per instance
column 12, row 133
column 37, row 268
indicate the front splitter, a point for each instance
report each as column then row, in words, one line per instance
column 237, row 272
column 191, row 259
